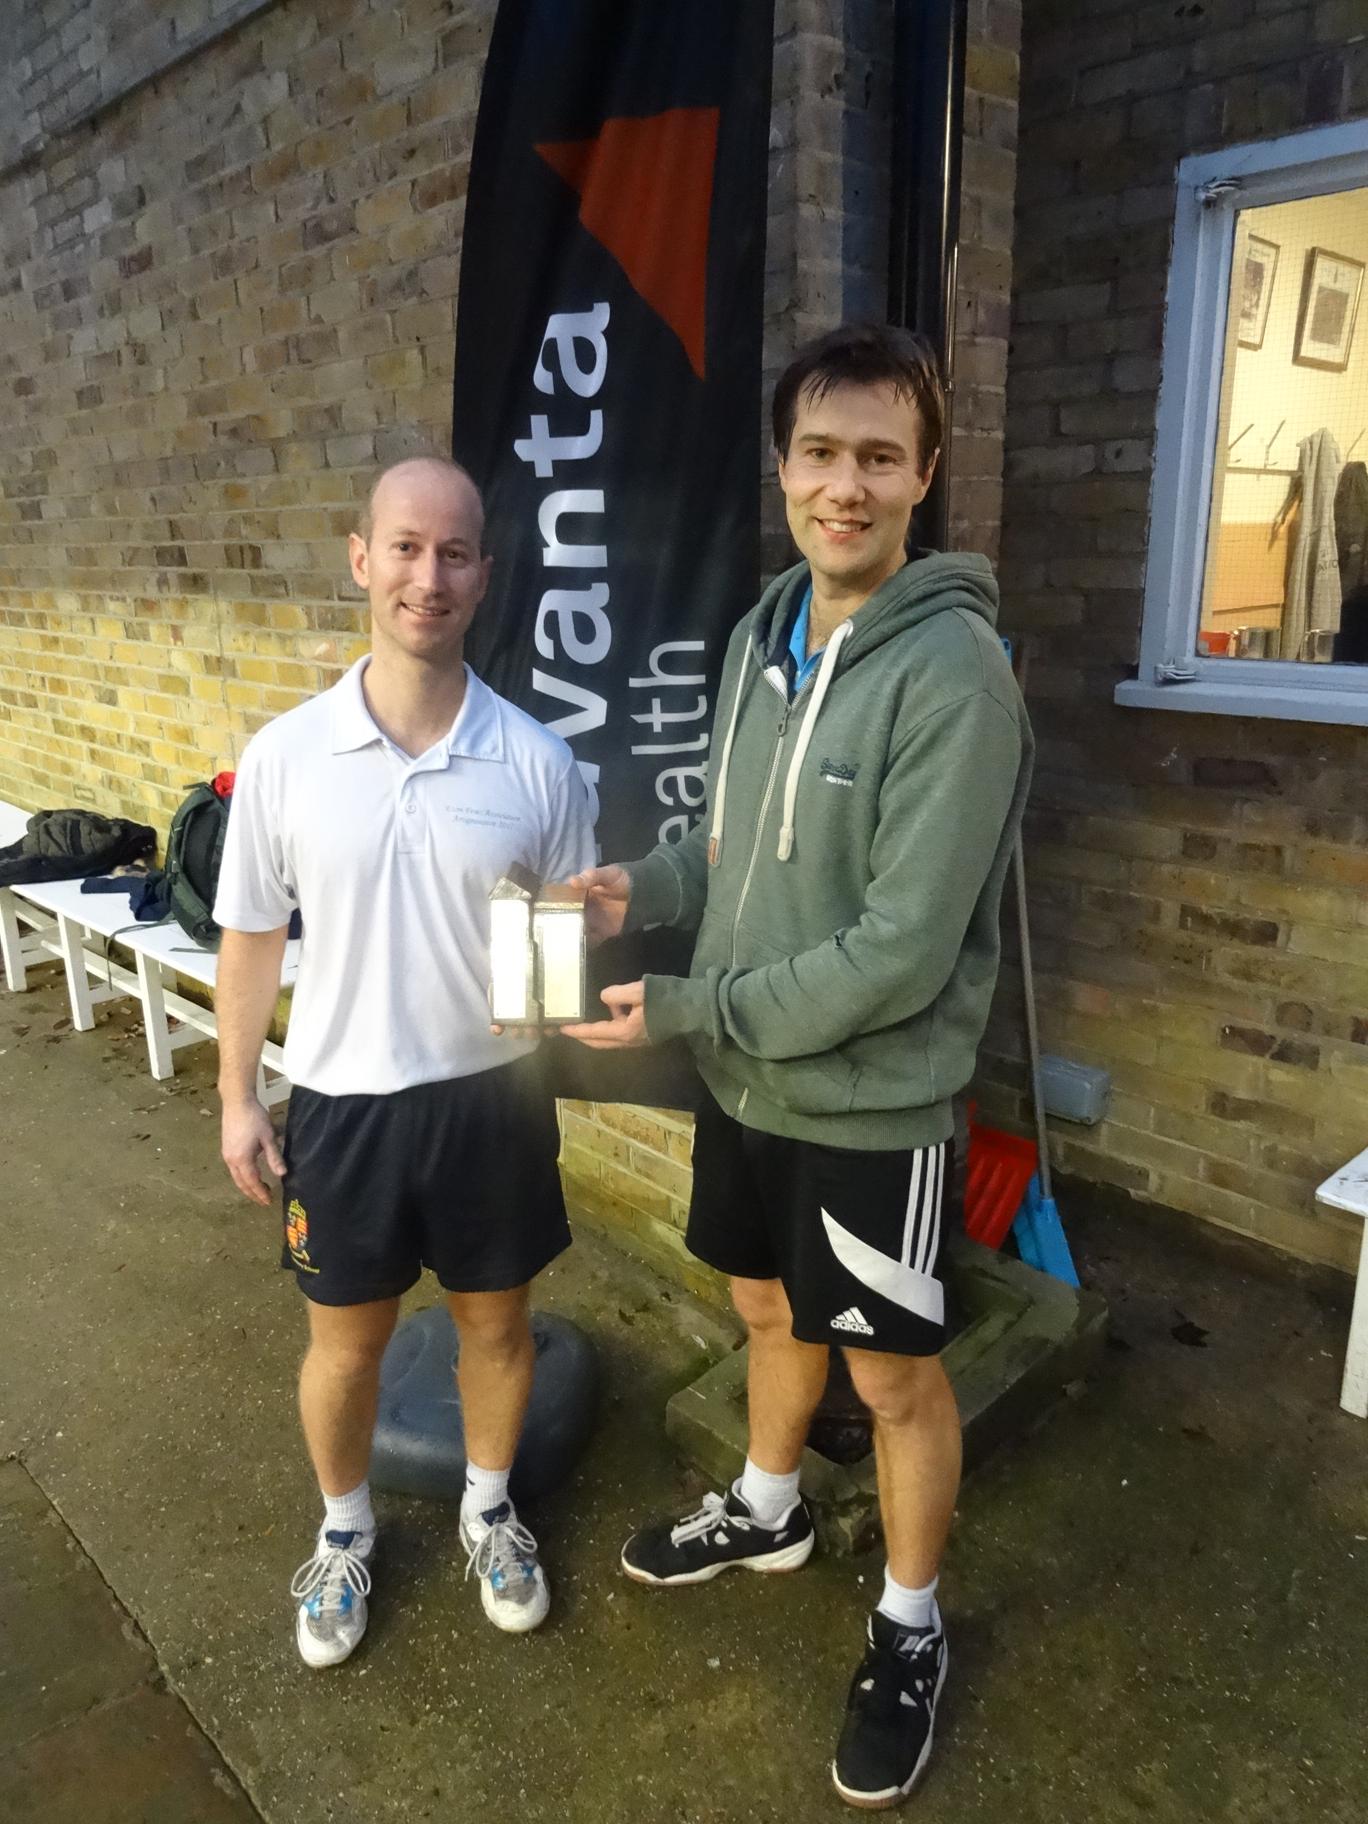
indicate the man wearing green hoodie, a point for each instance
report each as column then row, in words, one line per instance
column 845, row 886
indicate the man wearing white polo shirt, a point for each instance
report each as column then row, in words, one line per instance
column 385, row 810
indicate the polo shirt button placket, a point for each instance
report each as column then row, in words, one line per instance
column 412, row 827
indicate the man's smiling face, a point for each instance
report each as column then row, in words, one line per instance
column 421, row 565
column 853, row 472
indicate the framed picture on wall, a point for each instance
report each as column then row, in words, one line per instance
column 1256, row 290
column 1329, row 307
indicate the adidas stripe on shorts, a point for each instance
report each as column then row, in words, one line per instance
column 855, row 1236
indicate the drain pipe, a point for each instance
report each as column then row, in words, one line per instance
column 923, row 242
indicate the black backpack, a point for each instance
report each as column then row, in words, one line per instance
column 72, row 845
column 194, row 850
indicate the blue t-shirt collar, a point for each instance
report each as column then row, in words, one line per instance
column 803, row 666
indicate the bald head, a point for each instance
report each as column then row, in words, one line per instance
column 420, row 559
column 430, row 475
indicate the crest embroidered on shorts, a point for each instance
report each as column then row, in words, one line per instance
column 297, row 1236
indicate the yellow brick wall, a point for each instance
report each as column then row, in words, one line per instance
column 1204, row 938
column 121, row 702
column 628, row 1170
column 225, row 302
column 1197, row 882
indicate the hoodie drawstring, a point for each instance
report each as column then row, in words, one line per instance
column 720, row 795
column 826, row 672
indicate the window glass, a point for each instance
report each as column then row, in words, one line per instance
column 1286, row 571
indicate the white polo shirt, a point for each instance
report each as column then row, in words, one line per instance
column 390, row 861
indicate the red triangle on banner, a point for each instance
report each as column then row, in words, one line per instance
column 645, row 188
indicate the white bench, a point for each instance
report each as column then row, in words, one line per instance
column 1347, row 1189
column 25, row 932
column 53, row 918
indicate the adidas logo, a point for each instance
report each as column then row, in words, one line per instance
column 853, row 1319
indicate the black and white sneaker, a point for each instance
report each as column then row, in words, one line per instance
column 721, row 1534
column 890, row 1714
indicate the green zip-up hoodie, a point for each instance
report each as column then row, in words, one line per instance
column 848, row 917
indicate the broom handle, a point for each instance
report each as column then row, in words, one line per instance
column 1032, row 1032
column 1021, row 660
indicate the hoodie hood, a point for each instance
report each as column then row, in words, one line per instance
column 930, row 583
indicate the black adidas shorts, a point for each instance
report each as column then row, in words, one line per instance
column 854, row 1236
column 458, row 1176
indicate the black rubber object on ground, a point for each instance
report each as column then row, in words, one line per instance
column 419, row 1446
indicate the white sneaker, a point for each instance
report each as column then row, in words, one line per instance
column 503, row 1555
column 331, row 1590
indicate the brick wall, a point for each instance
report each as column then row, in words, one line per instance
column 831, row 142
column 222, row 297
column 1197, row 882
column 987, row 188
column 68, row 59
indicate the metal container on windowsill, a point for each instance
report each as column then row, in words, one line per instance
column 1251, row 643
column 1318, row 646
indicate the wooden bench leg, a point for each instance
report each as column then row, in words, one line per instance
column 152, row 994
column 1354, row 1392
column 70, row 935
column 12, row 943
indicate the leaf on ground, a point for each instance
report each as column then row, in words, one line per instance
column 1191, row 1334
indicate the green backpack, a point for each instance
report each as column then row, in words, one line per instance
column 194, row 850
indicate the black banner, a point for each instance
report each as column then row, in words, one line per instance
column 607, row 391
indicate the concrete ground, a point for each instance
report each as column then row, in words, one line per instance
column 1158, row 1603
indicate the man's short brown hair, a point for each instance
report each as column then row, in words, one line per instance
column 864, row 354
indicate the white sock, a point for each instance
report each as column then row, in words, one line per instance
column 349, row 1513
column 768, row 1497
column 485, row 1490
column 909, row 1608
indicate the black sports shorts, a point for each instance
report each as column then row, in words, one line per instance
column 854, row 1236
column 459, row 1176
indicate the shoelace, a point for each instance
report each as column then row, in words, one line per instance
column 506, row 1544
column 332, row 1569
column 884, row 1696
column 710, row 1515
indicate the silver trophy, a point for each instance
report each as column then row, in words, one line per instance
column 536, row 951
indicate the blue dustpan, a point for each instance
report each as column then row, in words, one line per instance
column 1040, row 1236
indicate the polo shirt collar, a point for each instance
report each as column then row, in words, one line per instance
column 352, row 726
column 476, row 734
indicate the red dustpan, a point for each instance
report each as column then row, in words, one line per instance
column 999, row 1168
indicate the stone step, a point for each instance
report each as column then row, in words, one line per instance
column 1023, row 1338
